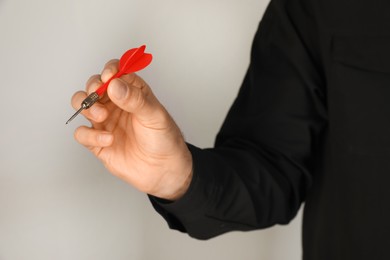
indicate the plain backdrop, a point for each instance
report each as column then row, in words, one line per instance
column 56, row 200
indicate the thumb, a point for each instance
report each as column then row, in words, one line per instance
column 136, row 98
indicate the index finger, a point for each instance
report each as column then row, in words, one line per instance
column 96, row 81
column 110, row 69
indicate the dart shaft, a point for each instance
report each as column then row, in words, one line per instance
column 103, row 88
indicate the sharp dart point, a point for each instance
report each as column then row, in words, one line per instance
column 74, row 115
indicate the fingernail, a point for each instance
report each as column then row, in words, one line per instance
column 119, row 90
column 105, row 139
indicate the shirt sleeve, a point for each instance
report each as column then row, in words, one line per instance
column 262, row 164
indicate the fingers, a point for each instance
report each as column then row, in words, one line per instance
column 132, row 101
column 109, row 70
column 95, row 81
column 136, row 98
column 93, row 138
column 97, row 113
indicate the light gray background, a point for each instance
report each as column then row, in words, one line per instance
column 56, row 200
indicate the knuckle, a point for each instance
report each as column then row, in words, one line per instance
column 93, row 79
column 77, row 99
column 130, row 78
column 93, row 83
column 109, row 70
column 113, row 63
column 137, row 99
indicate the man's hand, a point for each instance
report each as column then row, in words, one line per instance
column 134, row 136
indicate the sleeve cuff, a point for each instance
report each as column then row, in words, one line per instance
column 189, row 213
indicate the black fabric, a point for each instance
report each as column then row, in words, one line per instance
column 311, row 123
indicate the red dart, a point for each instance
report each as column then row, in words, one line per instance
column 131, row 61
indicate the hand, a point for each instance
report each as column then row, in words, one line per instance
column 134, row 136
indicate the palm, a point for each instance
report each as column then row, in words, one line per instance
column 138, row 150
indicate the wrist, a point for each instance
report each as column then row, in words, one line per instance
column 182, row 189
column 179, row 179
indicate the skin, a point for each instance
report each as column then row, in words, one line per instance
column 134, row 136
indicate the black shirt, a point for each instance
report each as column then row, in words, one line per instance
column 311, row 124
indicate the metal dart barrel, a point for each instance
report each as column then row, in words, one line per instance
column 87, row 103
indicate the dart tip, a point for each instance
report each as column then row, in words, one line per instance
column 75, row 114
column 70, row 119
